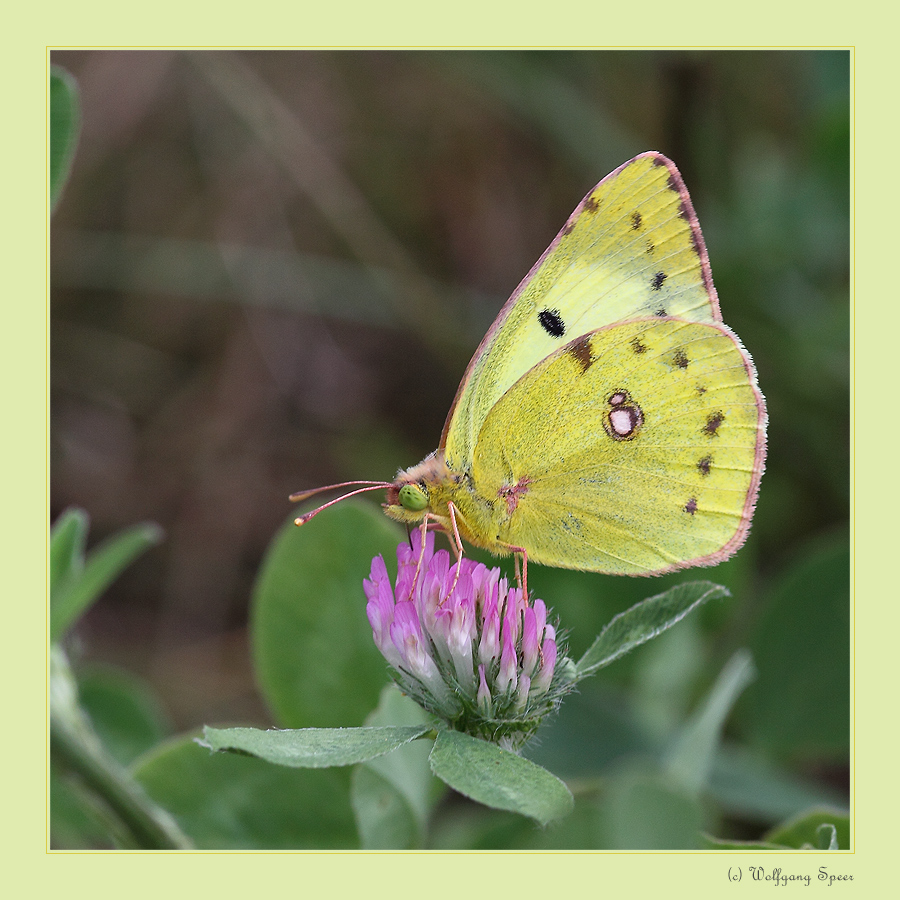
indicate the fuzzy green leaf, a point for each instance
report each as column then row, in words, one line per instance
column 498, row 778
column 644, row 621
column 312, row 748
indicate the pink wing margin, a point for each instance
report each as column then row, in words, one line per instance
column 759, row 465
column 676, row 183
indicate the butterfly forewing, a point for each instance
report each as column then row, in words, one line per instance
column 636, row 449
column 631, row 249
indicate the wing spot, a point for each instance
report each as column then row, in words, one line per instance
column 691, row 506
column 650, row 247
column 581, row 350
column 591, row 204
column 637, row 346
column 636, row 221
column 680, row 358
column 713, row 421
column 658, row 280
column 551, row 321
column 624, row 420
column 705, row 465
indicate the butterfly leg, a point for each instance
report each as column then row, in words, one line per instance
column 521, row 572
column 457, row 547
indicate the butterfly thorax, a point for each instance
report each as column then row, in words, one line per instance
column 427, row 490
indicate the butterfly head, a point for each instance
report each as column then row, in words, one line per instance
column 415, row 492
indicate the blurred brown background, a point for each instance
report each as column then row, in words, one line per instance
column 269, row 270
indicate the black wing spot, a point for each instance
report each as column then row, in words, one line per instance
column 650, row 247
column 713, row 421
column 552, row 322
column 661, row 312
column 658, row 280
column 705, row 465
column 691, row 506
column 636, row 221
column 638, row 346
column 681, row 359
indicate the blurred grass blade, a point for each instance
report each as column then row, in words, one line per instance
column 644, row 621
column 65, row 119
column 103, row 565
column 133, row 819
column 691, row 758
column 68, row 538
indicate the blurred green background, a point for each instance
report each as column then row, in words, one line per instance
column 269, row 270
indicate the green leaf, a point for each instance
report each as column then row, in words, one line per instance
column 826, row 838
column 126, row 715
column 226, row 801
column 644, row 810
column 823, row 828
column 800, row 704
column 383, row 817
column 104, row 563
column 708, row 842
column 644, row 621
column 312, row 748
column 747, row 785
column 76, row 822
column 495, row 777
column 68, row 538
column 313, row 651
column 393, row 795
column 64, row 125
column 690, row 760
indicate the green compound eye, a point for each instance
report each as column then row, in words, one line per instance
column 413, row 498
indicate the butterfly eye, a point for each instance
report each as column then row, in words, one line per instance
column 413, row 498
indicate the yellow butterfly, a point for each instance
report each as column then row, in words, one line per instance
column 609, row 421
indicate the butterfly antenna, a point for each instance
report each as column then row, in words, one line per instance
column 305, row 495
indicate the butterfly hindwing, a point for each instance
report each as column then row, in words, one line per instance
column 650, row 464
column 632, row 248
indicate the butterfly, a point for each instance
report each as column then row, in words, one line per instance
column 609, row 421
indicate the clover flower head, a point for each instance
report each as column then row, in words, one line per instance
column 464, row 644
